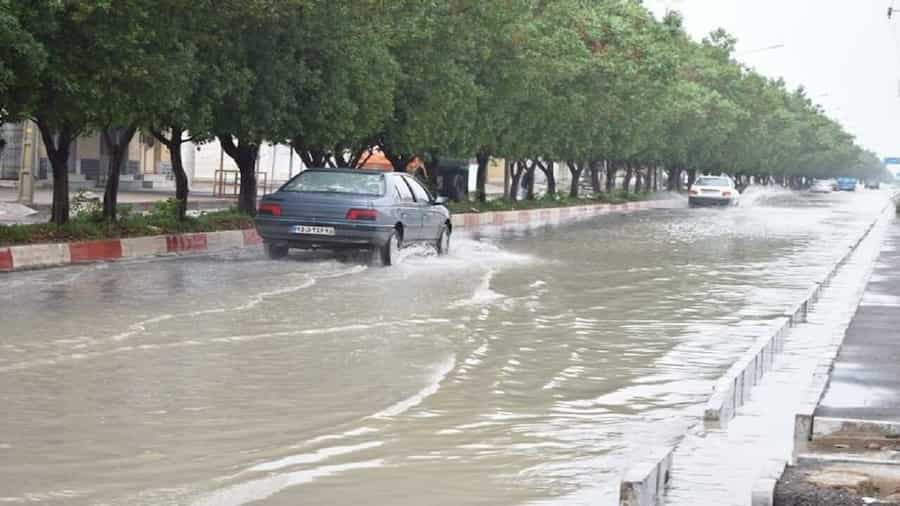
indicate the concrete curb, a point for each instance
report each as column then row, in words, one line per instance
column 763, row 492
column 38, row 256
column 733, row 389
column 532, row 217
column 645, row 483
column 804, row 416
column 828, row 426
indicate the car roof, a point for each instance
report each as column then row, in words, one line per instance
column 347, row 170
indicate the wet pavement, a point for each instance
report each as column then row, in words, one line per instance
column 865, row 383
column 524, row 368
column 762, row 431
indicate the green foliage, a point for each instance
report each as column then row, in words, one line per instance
column 86, row 207
column 22, row 59
column 574, row 81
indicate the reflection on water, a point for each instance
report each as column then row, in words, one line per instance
column 523, row 368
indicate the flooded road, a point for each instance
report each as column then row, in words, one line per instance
column 525, row 368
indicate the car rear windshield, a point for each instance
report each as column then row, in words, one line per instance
column 712, row 181
column 357, row 183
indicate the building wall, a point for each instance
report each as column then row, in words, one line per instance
column 278, row 162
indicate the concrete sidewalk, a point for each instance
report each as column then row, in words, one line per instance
column 852, row 454
column 43, row 197
column 142, row 201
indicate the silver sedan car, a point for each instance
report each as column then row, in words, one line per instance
column 356, row 209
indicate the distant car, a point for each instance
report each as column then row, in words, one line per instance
column 846, row 184
column 713, row 191
column 356, row 209
column 822, row 186
column 873, row 185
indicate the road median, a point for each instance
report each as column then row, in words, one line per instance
column 40, row 256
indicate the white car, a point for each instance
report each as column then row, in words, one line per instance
column 713, row 191
column 822, row 186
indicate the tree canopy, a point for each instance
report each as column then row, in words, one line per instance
column 585, row 83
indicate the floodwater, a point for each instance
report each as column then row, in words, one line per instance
column 525, row 368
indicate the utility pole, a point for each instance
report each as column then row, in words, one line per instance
column 26, row 172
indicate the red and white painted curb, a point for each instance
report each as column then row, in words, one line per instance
column 531, row 217
column 38, row 256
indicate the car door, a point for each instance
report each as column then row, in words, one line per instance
column 409, row 211
column 432, row 217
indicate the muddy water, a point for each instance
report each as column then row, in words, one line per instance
column 525, row 368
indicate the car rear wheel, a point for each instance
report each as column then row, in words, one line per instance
column 275, row 251
column 443, row 241
column 390, row 250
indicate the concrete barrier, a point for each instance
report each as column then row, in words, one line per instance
column 51, row 255
column 763, row 492
column 228, row 239
column 537, row 217
column 645, row 483
column 144, row 247
column 804, row 417
column 36, row 256
column 6, row 261
column 94, row 251
column 827, row 427
column 733, row 389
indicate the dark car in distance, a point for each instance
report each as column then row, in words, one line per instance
column 352, row 208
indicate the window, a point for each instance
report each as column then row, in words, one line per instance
column 713, row 181
column 422, row 195
column 403, row 192
column 316, row 181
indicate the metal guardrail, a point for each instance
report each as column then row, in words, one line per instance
column 227, row 183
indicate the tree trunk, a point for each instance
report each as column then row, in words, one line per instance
column 431, row 175
column 547, row 169
column 117, row 141
column 311, row 157
column 174, row 144
column 481, row 178
column 530, row 194
column 58, row 144
column 692, row 176
column 519, row 169
column 611, row 171
column 594, row 167
column 629, row 174
column 575, row 170
column 244, row 154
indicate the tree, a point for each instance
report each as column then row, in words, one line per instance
column 22, row 59
column 64, row 98
column 435, row 100
column 349, row 93
column 142, row 65
column 257, row 56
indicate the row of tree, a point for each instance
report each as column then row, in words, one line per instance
column 599, row 85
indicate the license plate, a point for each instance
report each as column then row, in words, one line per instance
column 709, row 191
column 304, row 229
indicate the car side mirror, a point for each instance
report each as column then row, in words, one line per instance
column 439, row 201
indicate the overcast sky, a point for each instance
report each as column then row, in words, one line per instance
column 845, row 52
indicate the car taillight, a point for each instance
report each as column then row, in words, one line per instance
column 726, row 194
column 362, row 215
column 270, row 209
column 693, row 192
